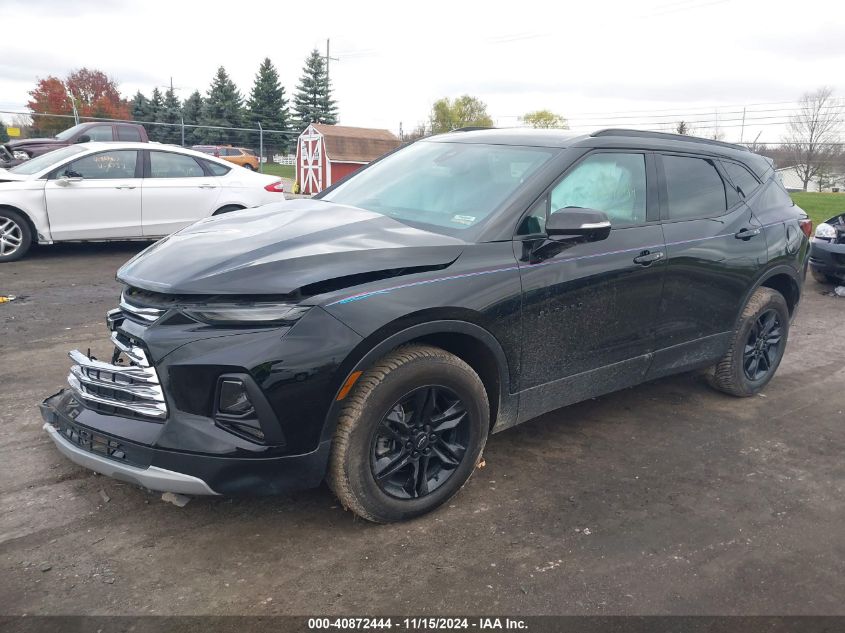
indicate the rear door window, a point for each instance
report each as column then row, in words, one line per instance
column 694, row 188
column 171, row 165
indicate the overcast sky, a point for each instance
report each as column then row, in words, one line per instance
column 597, row 62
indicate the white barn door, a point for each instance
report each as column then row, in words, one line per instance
column 311, row 160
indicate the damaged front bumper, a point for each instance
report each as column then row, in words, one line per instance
column 150, row 414
column 89, row 438
column 828, row 258
column 108, row 456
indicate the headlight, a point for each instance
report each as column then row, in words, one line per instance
column 826, row 231
column 20, row 155
column 252, row 314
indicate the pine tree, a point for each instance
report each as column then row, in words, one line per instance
column 156, row 103
column 170, row 112
column 267, row 105
column 191, row 112
column 140, row 107
column 313, row 101
column 223, row 107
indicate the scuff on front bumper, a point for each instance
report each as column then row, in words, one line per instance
column 107, row 456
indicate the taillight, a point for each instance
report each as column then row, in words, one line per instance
column 276, row 187
column 806, row 226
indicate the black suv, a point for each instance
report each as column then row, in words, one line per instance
column 375, row 335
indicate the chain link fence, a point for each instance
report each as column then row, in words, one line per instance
column 273, row 147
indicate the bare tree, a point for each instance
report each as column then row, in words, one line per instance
column 813, row 132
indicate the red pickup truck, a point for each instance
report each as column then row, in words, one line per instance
column 20, row 150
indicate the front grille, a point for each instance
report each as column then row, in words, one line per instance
column 132, row 389
column 139, row 313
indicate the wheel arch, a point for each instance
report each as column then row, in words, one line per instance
column 785, row 280
column 230, row 206
column 27, row 219
column 463, row 337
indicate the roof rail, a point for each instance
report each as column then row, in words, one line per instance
column 473, row 128
column 667, row 136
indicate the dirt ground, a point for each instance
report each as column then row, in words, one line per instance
column 668, row 498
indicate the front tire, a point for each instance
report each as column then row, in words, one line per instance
column 15, row 236
column 757, row 348
column 409, row 435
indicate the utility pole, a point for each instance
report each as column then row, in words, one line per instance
column 329, row 58
column 742, row 129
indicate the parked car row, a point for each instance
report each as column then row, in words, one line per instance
column 237, row 155
column 18, row 151
column 116, row 191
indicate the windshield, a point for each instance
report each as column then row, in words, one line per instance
column 451, row 186
column 39, row 163
column 63, row 136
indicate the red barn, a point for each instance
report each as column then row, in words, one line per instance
column 327, row 153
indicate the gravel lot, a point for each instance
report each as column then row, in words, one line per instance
column 664, row 498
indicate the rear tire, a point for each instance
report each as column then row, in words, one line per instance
column 757, row 347
column 249, row 167
column 15, row 236
column 409, row 435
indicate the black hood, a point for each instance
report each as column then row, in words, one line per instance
column 279, row 248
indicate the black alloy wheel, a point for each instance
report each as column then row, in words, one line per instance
column 420, row 442
column 757, row 345
column 409, row 434
column 762, row 348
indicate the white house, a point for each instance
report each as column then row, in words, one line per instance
column 830, row 182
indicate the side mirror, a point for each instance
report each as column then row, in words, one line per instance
column 577, row 222
column 68, row 177
column 83, row 139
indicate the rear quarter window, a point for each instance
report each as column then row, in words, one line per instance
column 773, row 196
column 741, row 178
column 215, row 168
column 127, row 133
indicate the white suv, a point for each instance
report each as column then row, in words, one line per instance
column 119, row 191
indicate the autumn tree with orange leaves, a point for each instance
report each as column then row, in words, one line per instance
column 95, row 94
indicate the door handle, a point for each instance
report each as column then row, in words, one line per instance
column 747, row 234
column 647, row 258
column 125, row 187
column 206, row 185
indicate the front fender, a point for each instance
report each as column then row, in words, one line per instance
column 370, row 350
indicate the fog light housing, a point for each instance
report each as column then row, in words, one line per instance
column 240, row 407
column 234, row 399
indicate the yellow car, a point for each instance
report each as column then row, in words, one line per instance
column 238, row 155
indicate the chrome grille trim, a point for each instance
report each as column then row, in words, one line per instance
column 132, row 388
column 149, row 392
column 133, row 352
column 146, row 315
